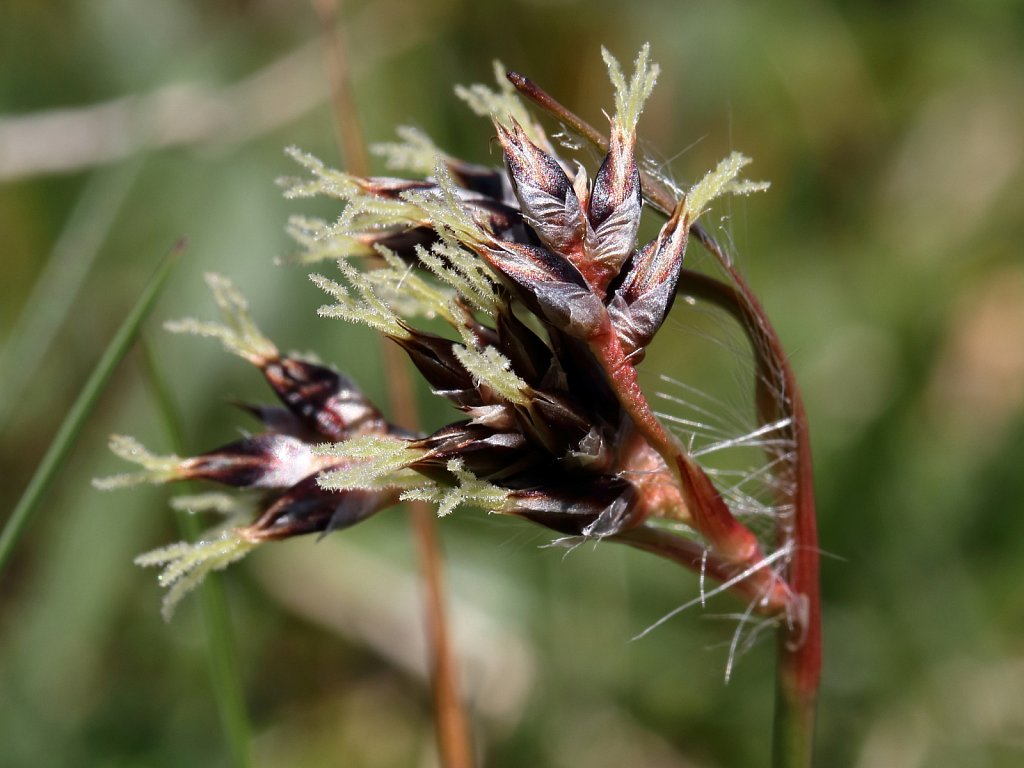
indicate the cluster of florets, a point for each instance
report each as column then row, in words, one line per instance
column 551, row 304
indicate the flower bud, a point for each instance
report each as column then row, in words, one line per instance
column 546, row 196
column 264, row 461
column 308, row 508
column 600, row 507
column 549, row 285
column 642, row 302
column 326, row 401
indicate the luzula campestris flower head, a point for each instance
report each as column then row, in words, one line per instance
column 550, row 303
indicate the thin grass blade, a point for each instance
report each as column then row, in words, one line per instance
column 225, row 676
column 72, row 425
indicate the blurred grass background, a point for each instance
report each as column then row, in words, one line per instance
column 888, row 252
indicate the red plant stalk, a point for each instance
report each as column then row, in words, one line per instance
column 797, row 594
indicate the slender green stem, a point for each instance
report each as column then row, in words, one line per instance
column 83, row 406
column 793, row 733
column 225, row 675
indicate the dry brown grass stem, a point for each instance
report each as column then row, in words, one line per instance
column 453, row 737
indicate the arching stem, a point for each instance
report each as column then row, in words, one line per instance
column 799, row 640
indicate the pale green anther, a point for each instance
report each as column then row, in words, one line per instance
column 743, row 187
column 723, row 180
column 464, row 271
column 326, row 181
column 470, row 491
column 312, row 235
column 238, row 333
column 236, row 510
column 488, row 366
column 222, row 503
column 369, row 210
column 416, row 152
column 156, row 469
column 185, row 565
column 306, row 230
column 365, row 213
column 371, row 462
column 403, row 289
column 630, row 97
column 444, row 209
column 367, row 307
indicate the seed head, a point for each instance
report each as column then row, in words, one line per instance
column 550, row 303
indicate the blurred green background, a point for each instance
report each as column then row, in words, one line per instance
column 888, row 252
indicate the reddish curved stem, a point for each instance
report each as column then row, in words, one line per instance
column 777, row 394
